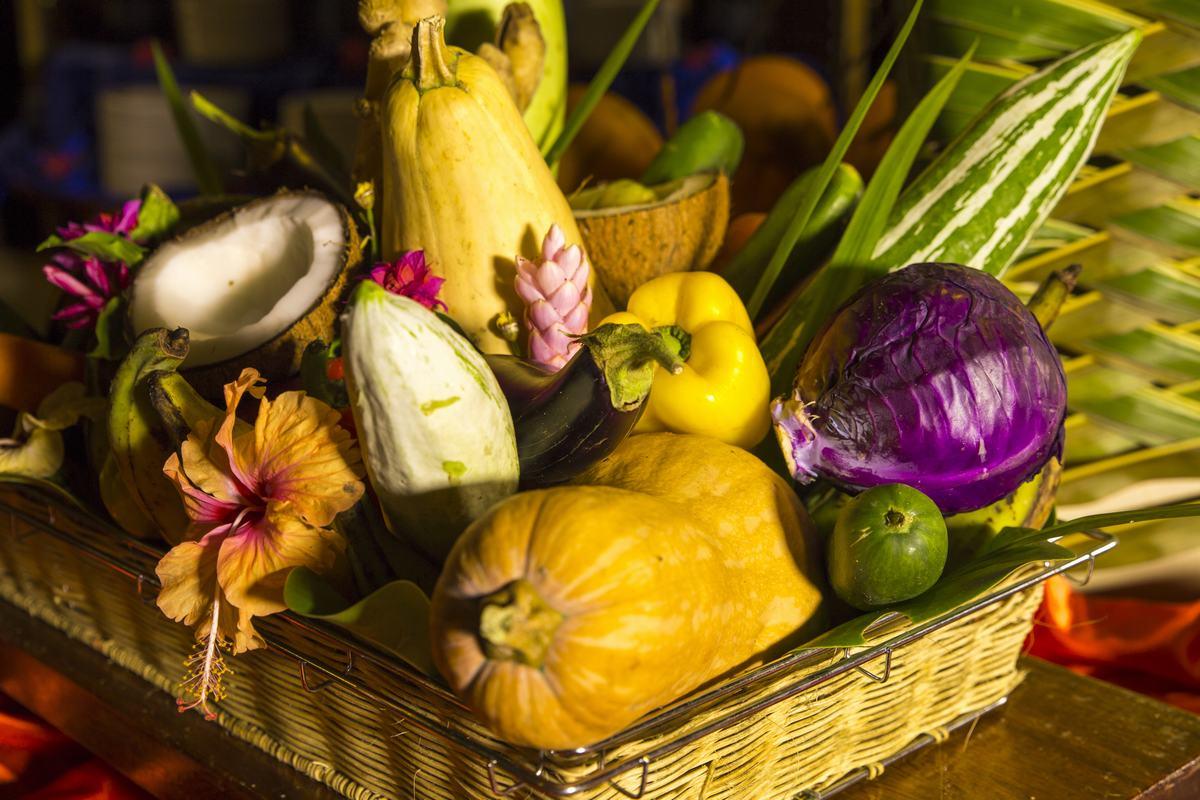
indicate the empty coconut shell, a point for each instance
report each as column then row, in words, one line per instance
column 629, row 245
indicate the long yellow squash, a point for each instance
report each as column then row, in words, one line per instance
column 464, row 181
column 565, row 614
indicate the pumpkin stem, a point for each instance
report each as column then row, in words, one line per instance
column 627, row 356
column 432, row 64
column 516, row 624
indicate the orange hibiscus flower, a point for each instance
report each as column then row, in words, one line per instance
column 260, row 501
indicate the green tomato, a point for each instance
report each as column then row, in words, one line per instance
column 889, row 545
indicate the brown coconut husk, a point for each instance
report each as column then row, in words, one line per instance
column 630, row 245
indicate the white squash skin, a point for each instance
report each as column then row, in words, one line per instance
column 435, row 430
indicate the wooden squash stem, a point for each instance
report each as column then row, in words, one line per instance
column 516, row 624
column 432, row 61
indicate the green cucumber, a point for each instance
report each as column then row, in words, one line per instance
column 988, row 192
column 708, row 142
column 815, row 244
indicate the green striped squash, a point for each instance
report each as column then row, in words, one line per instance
column 985, row 196
column 981, row 201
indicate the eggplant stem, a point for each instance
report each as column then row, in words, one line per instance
column 627, row 355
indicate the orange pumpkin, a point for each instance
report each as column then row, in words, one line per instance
column 565, row 614
column 785, row 111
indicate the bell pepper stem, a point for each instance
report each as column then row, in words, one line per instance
column 627, row 356
column 516, row 624
column 679, row 340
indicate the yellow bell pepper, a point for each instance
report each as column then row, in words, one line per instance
column 723, row 390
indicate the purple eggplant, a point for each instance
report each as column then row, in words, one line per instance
column 570, row 419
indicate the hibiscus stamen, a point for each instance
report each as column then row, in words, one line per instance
column 206, row 667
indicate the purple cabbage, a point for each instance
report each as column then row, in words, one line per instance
column 935, row 376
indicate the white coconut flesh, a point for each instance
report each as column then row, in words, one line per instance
column 242, row 279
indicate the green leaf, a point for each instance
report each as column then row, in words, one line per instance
column 208, row 179
column 395, row 617
column 110, row 332
column 1159, row 291
column 852, row 266
column 101, row 244
column 600, row 83
column 1021, row 30
column 1000, row 557
column 1151, row 416
column 157, row 217
column 1181, row 87
column 1174, row 227
column 830, row 165
column 323, row 149
column 1177, row 161
column 1157, row 352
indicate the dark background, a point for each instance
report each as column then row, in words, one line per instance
column 59, row 55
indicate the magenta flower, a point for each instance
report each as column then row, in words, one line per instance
column 91, row 281
column 410, row 277
column 122, row 223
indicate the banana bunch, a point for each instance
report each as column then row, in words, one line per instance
column 152, row 408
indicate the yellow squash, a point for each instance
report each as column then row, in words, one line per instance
column 565, row 614
column 464, row 181
column 724, row 389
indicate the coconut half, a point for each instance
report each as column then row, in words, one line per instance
column 253, row 286
column 681, row 231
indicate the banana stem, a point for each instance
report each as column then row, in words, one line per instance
column 1048, row 300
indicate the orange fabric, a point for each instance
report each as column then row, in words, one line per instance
column 1149, row 647
column 38, row 762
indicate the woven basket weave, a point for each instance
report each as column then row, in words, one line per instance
column 368, row 727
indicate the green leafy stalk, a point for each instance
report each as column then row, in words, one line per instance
column 208, row 179
column 599, row 85
column 830, row 165
column 852, row 266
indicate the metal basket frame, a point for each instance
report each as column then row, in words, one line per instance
column 538, row 771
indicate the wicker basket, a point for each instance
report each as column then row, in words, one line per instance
column 367, row 726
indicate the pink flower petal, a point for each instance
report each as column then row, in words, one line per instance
column 67, row 282
column 576, row 321
column 569, row 260
column 98, row 276
column 549, row 277
column 542, row 315
column 554, row 241
column 565, row 298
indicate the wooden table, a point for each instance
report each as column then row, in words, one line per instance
column 1061, row 736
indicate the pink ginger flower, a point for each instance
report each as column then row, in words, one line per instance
column 91, row 281
column 121, row 223
column 410, row 277
column 557, row 299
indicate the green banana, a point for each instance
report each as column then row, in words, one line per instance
column 815, row 244
column 121, row 505
column 1028, row 507
column 179, row 407
column 139, row 443
column 708, row 142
